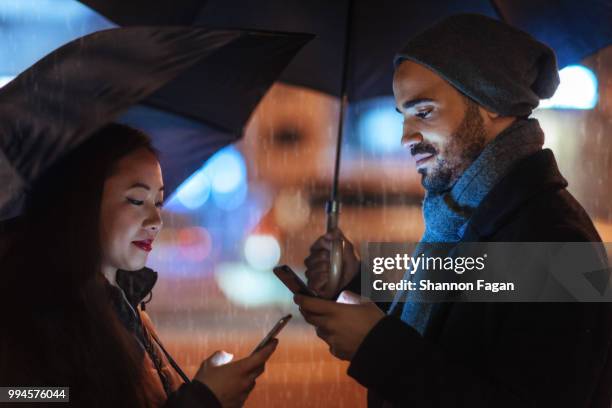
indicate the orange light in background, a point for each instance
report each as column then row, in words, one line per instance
column 291, row 210
column 267, row 226
column 194, row 243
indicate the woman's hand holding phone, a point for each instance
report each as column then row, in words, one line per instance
column 232, row 382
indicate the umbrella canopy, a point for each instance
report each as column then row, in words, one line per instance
column 55, row 104
column 376, row 30
column 356, row 40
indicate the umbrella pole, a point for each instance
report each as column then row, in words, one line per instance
column 333, row 205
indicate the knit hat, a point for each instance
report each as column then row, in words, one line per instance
column 500, row 67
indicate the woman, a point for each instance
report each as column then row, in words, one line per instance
column 74, row 278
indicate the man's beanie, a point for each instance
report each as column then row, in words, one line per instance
column 502, row 68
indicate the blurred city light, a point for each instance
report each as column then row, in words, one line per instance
column 194, row 192
column 231, row 200
column 44, row 9
column 262, row 251
column 379, row 127
column 223, row 176
column 250, row 287
column 291, row 210
column 33, row 28
column 577, row 90
column 227, row 170
column 195, row 243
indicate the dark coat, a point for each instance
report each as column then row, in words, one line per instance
column 500, row 354
column 172, row 391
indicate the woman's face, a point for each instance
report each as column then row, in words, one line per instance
column 130, row 213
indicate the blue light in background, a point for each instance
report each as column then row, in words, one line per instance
column 194, row 192
column 250, row 287
column 227, row 170
column 223, row 176
column 380, row 128
column 44, row 9
column 33, row 28
column 231, row 200
column 577, row 90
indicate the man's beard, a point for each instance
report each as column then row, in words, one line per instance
column 465, row 144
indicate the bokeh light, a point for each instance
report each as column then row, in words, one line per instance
column 262, row 251
column 194, row 192
column 231, row 200
column 380, row 127
column 227, row 170
column 577, row 90
column 291, row 210
column 223, row 176
column 194, row 243
column 250, row 287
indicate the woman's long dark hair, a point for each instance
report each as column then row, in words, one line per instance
column 59, row 328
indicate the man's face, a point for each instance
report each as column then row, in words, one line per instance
column 443, row 129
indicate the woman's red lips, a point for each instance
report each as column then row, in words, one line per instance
column 145, row 245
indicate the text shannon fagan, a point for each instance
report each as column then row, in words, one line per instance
column 427, row 285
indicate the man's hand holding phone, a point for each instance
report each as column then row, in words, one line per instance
column 343, row 326
column 292, row 281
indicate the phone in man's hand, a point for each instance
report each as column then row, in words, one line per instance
column 292, row 281
column 273, row 333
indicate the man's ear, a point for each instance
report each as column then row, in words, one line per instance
column 494, row 123
column 490, row 115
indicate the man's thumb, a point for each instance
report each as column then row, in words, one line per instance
column 350, row 298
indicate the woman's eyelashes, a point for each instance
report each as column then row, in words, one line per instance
column 135, row 202
column 158, row 204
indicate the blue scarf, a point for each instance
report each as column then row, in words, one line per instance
column 447, row 214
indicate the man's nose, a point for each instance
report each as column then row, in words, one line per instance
column 410, row 139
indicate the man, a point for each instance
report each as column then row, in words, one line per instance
column 465, row 88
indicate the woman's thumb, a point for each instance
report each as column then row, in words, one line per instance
column 219, row 358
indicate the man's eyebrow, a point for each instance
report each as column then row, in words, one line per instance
column 143, row 185
column 409, row 104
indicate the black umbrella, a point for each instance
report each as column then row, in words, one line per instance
column 64, row 97
column 377, row 29
column 356, row 39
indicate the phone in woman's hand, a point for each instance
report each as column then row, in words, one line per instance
column 273, row 333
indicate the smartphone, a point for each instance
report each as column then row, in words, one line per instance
column 273, row 333
column 292, row 281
